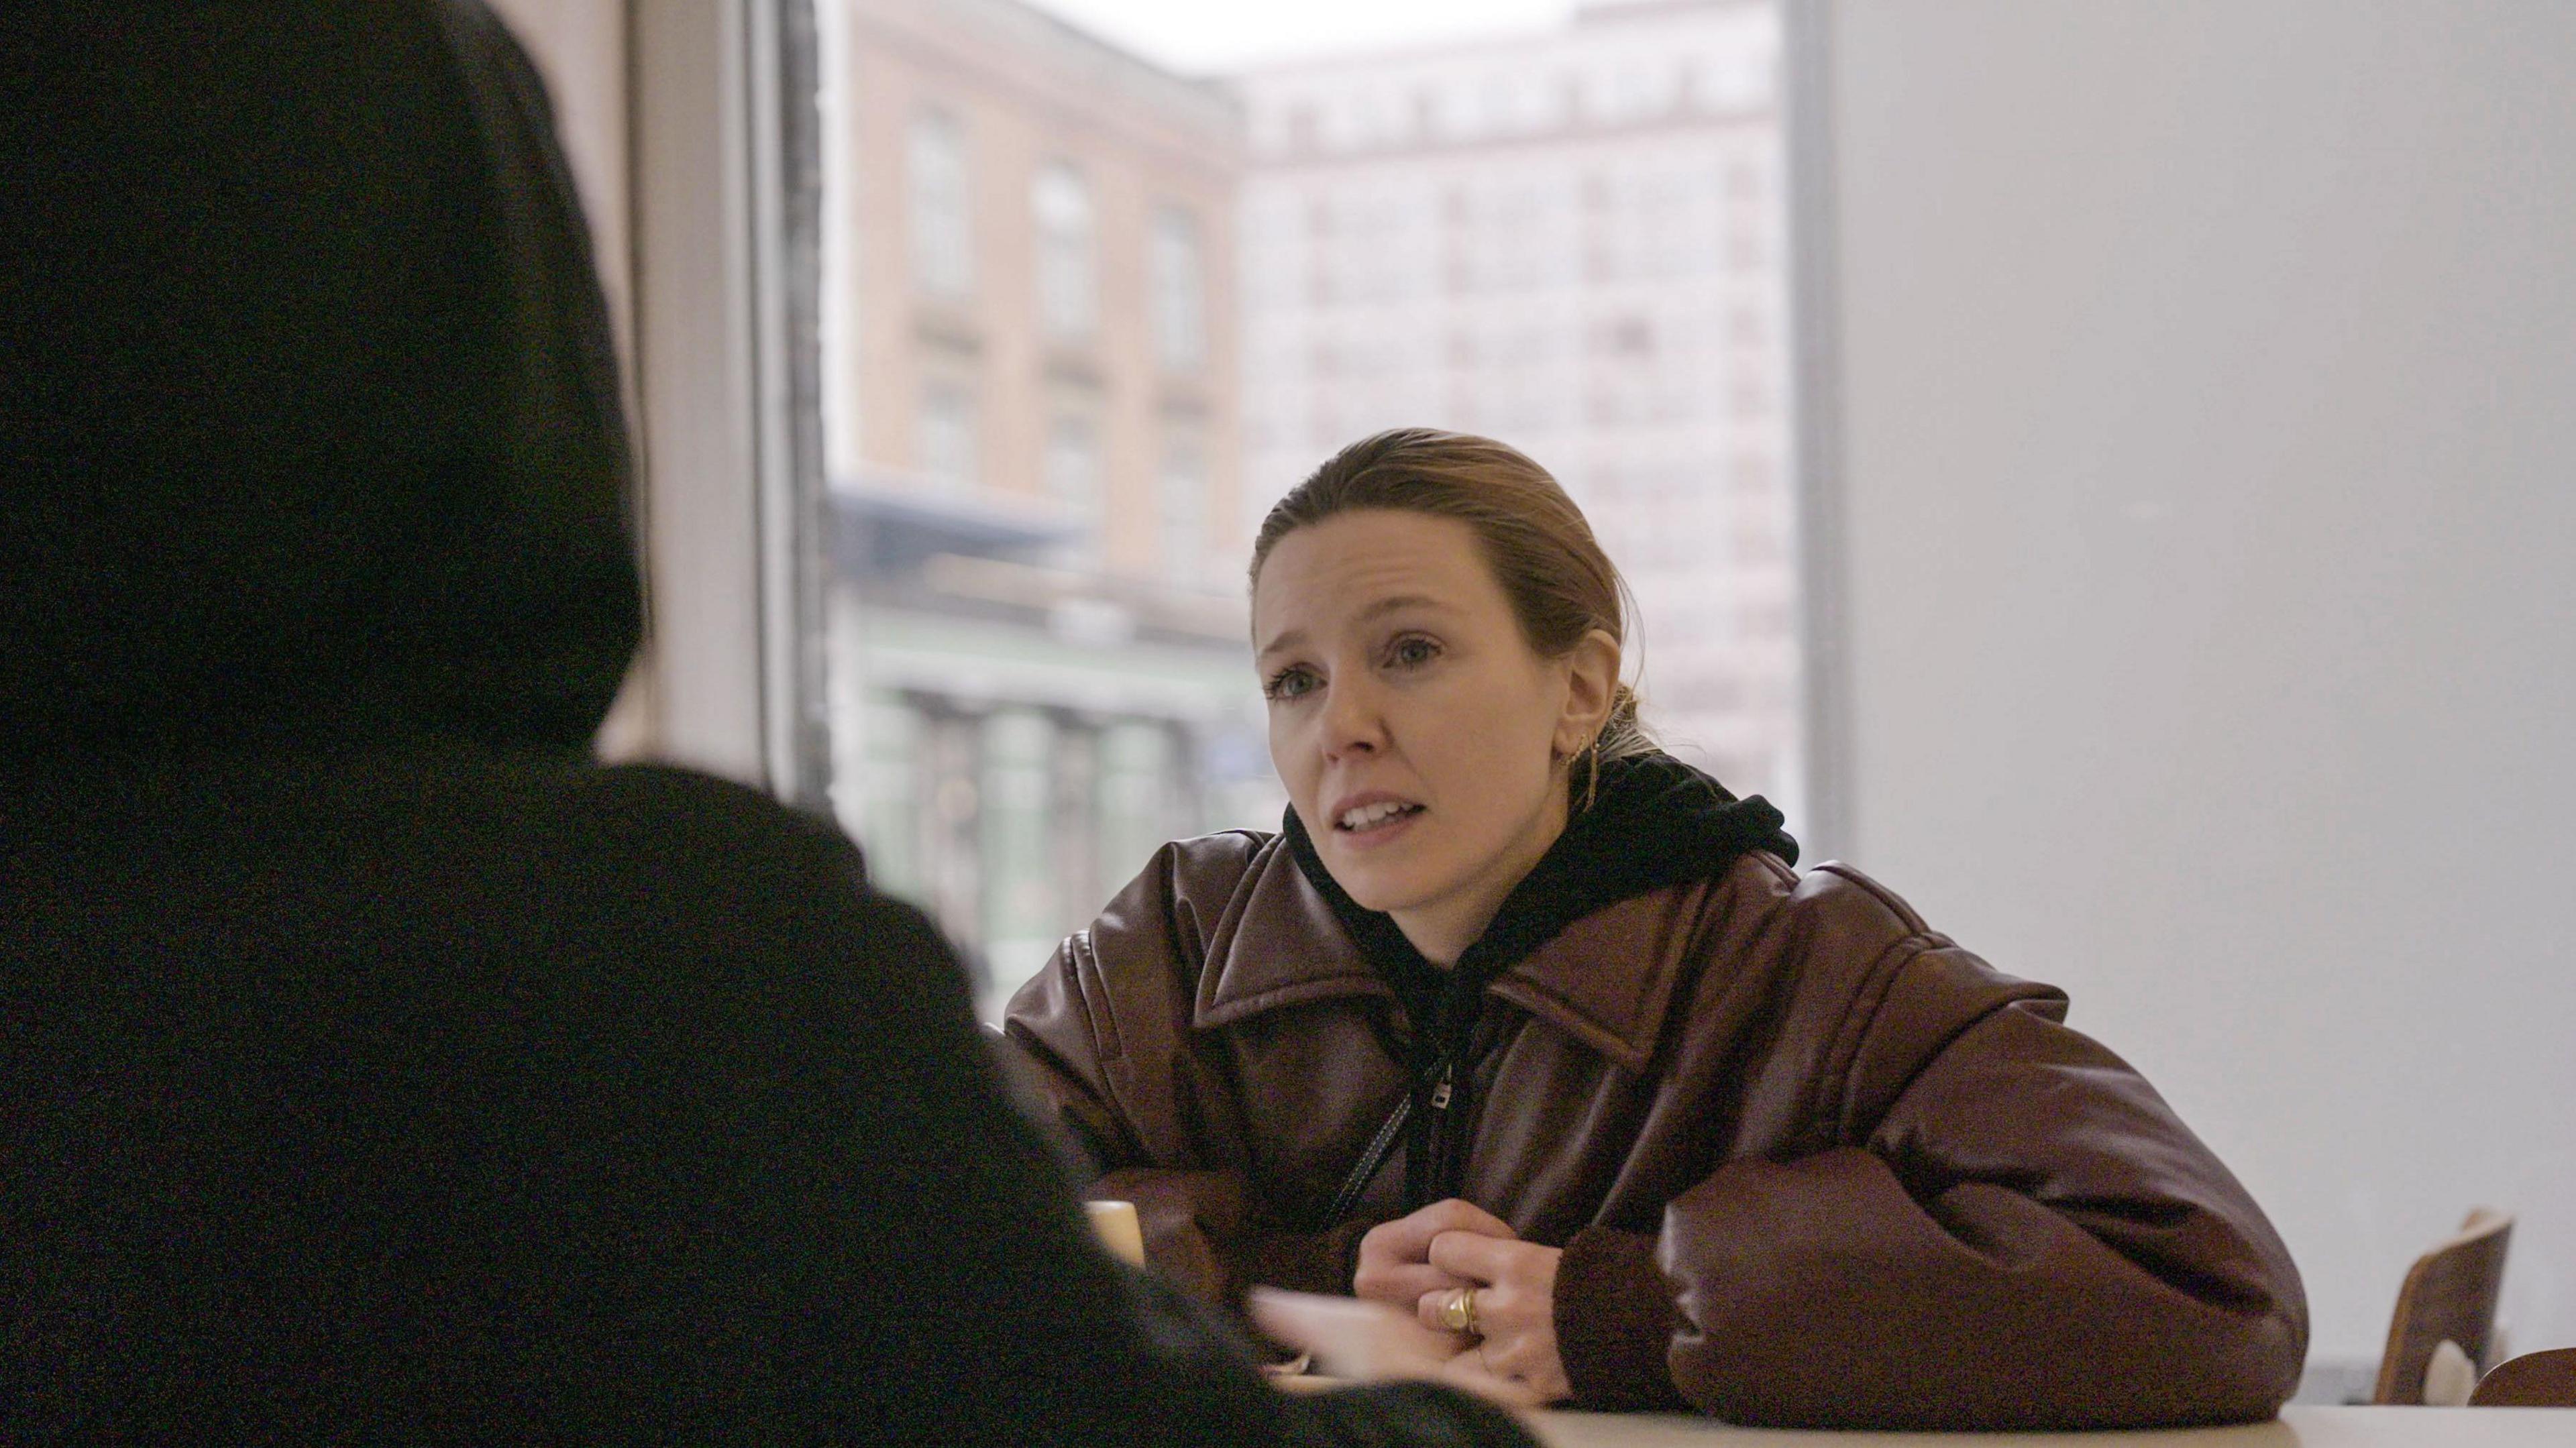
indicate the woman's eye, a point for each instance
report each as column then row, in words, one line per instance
column 1289, row 684
column 1408, row 653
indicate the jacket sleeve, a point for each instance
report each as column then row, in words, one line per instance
column 1156, row 1128
column 961, row 1297
column 2006, row 1228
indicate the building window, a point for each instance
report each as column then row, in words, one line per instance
column 1180, row 290
column 943, row 224
column 1184, row 499
column 1073, row 479
column 1068, row 253
column 947, row 450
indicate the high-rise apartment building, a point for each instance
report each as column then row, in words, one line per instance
column 1570, row 241
column 1036, row 622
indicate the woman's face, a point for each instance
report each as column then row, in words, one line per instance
column 1419, row 736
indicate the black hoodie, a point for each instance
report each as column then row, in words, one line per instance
column 373, row 1065
column 1649, row 821
column 311, row 417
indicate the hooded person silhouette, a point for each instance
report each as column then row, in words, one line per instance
column 378, row 1065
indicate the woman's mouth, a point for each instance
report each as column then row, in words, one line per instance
column 1369, row 818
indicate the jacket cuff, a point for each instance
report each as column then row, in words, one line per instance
column 1614, row 1322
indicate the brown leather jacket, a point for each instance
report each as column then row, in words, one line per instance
column 1810, row 1162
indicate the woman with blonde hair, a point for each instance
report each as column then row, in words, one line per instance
column 1526, row 1028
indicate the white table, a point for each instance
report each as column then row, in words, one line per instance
column 2297, row 1427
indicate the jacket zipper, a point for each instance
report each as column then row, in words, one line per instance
column 1442, row 1091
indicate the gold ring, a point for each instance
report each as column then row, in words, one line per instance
column 1458, row 1314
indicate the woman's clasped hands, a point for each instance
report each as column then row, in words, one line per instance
column 1447, row 1294
column 1463, row 1272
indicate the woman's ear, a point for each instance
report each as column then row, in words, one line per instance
column 1591, row 690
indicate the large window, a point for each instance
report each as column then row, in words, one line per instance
column 1191, row 294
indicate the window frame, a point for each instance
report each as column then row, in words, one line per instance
column 725, row 230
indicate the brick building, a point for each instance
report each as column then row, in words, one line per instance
column 1037, row 628
column 1570, row 240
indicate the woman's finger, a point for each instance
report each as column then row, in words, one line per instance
column 1401, row 1287
column 1408, row 1238
column 1483, row 1258
column 1349, row 1339
column 1431, row 1310
column 1457, row 1214
column 1515, row 1307
column 1366, row 1342
column 1394, row 1263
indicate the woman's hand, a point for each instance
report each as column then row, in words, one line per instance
column 1395, row 1257
column 1514, row 1305
column 1422, row 1262
column 1368, row 1342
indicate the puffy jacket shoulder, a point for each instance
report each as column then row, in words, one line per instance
column 1100, row 1031
column 1870, row 995
column 1151, row 940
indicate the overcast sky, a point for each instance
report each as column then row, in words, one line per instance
column 1203, row 36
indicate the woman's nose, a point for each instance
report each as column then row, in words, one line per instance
column 1353, row 720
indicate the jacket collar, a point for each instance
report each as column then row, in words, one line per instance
column 1600, row 899
column 1280, row 944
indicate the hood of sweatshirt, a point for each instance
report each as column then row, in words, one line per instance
column 309, row 415
column 1653, row 821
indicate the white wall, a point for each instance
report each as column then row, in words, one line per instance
column 2206, row 623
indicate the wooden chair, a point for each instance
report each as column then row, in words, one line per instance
column 2449, row 1296
column 2533, row 1380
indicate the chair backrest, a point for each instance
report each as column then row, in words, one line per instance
column 2450, row 1295
column 2533, row 1380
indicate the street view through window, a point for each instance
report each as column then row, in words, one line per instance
column 1086, row 316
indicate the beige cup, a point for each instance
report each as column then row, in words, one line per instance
column 1115, row 1222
